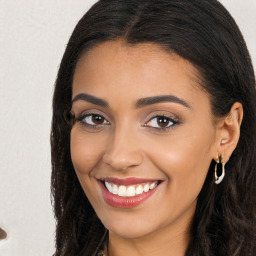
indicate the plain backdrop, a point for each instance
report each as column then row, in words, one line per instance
column 33, row 36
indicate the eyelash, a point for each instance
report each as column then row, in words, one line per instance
column 81, row 120
column 174, row 121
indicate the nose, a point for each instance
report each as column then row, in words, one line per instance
column 123, row 151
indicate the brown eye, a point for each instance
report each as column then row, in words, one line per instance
column 163, row 121
column 160, row 122
column 93, row 120
column 97, row 119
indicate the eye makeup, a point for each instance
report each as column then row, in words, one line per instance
column 93, row 120
column 160, row 121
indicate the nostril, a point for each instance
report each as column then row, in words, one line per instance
column 3, row 234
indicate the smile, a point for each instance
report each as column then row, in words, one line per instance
column 127, row 193
column 131, row 190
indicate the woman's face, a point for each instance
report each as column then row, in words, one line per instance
column 144, row 138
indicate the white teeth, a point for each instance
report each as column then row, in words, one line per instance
column 109, row 187
column 153, row 185
column 130, row 191
column 139, row 190
column 122, row 191
column 146, row 188
column 115, row 190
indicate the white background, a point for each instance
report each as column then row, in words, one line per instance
column 33, row 35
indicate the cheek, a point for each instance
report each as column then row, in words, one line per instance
column 184, row 161
column 85, row 151
column 85, row 155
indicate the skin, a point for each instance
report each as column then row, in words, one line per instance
column 130, row 143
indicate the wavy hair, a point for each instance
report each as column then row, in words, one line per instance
column 203, row 32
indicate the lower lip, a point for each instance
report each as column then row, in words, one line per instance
column 125, row 202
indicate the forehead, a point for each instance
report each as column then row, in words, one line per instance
column 145, row 69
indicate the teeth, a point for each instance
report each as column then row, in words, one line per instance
column 122, row 191
column 139, row 190
column 129, row 191
column 109, row 187
column 153, row 185
column 146, row 188
column 115, row 190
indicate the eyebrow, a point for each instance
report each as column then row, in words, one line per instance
column 91, row 99
column 158, row 99
column 139, row 103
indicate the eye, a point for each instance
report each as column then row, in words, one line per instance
column 93, row 120
column 161, row 122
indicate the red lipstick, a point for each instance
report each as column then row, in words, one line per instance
column 126, row 202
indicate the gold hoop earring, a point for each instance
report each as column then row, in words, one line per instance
column 218, row 179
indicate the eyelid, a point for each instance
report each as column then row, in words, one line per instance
column 172, row 117
column 88, row 115
column 92, row 112
column 170, row 120
column 166, row 114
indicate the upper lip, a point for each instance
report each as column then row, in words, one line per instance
column 128, row 181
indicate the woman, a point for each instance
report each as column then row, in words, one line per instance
column 156, row 153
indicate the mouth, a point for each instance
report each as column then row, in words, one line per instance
column 130, row 190
column 127, row 193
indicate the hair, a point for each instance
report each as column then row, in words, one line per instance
column 204, row 33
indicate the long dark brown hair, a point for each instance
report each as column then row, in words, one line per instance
column 203, row 32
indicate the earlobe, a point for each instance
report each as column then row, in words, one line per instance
column 229, row 131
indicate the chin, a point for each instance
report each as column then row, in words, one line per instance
column 129, row 232
column 130, row 228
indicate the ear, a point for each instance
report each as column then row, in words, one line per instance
column 228, row 131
